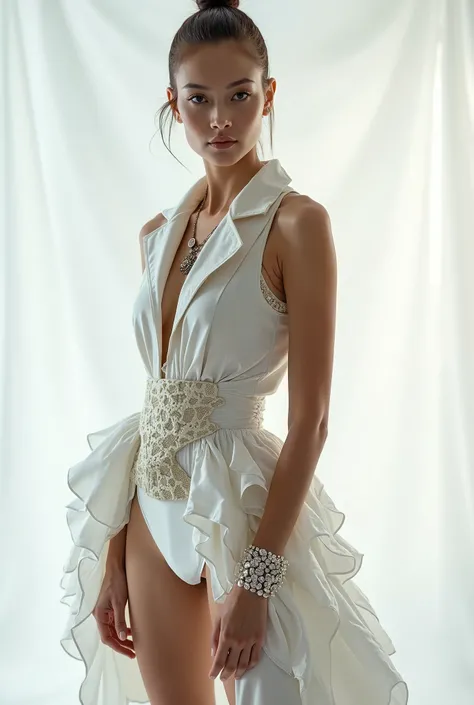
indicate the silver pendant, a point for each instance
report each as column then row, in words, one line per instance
column 187, row 263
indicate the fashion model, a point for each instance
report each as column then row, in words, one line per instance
column 205, row 546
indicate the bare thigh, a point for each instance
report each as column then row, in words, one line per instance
column 170, row 622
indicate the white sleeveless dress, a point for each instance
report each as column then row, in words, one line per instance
column 324, row 643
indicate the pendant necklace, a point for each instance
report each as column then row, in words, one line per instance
column 195, row 249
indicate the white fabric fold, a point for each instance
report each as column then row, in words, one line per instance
column 321, row 627
column 100, row 510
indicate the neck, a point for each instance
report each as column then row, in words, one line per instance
column 225, row 183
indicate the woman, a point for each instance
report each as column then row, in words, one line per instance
column 208, row 529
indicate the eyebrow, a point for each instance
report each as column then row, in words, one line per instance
column 230, row 85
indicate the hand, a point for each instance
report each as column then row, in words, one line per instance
column 109, row 612
column 239, row 633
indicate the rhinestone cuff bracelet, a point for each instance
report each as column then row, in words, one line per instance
column 261, row 571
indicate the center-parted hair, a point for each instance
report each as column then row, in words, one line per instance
column 215, row 21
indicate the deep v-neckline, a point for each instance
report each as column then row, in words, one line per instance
column 178, row 298
column 163, row 365
column 243, row 205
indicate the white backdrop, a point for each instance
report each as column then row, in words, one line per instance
column 374, row 119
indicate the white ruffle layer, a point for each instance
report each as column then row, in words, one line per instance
column 321, row 627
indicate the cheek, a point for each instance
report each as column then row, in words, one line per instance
column 252, row 112
column 248, row 115
column 192, row 118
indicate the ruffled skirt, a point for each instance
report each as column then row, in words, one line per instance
column 321, row 628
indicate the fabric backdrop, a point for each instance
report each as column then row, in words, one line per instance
column 375, row 120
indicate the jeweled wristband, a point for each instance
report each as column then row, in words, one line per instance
column 261, row 571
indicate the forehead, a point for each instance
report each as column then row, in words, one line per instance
column 216, row 65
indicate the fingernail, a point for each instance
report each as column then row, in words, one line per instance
column 122, row 636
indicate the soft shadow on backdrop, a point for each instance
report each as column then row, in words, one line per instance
column 374, row 119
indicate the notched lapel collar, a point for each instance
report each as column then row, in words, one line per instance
column 223, row 244
column 233, row 238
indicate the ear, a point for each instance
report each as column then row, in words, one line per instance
column 269, row 95
column 170, row 96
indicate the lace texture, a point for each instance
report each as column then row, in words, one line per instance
column 175, row 412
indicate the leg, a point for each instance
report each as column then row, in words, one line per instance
column 170, row 621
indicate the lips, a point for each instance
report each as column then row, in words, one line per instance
column 222, row 141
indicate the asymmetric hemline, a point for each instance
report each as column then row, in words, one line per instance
column 323, row 635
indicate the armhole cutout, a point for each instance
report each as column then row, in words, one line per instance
column 276, row 303
column 269, row 296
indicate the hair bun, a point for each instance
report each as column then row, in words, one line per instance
column 207, row 4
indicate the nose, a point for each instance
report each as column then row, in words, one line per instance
column 220, row 122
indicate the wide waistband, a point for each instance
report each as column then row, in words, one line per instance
column 223, row 404
column 177, row 412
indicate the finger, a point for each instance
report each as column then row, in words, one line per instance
column 244, row 661
column 102, row 614
column 109, row 638
column 127, row 642
column 215, row 645
column 219, row 659
column 119, row 620
column 119, row 647
column 255, row 656
column 215, row 636
column 116, row 636
column 231, row 663
column 124, row 647
column 104, row 632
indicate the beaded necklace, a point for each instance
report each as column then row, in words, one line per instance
column 189, row 260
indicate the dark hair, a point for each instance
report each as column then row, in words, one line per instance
column 215, row 21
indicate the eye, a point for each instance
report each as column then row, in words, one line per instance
column 195, row 96
column 242, row 93
column 199, row 95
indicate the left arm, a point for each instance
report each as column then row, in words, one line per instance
column 309, row 275
column 310, row 280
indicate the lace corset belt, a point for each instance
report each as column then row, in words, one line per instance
column 175, row 413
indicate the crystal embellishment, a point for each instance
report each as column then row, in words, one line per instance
column 268, row 574
column 270, row 297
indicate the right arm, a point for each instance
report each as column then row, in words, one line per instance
column 109, row 610
column 116, row 553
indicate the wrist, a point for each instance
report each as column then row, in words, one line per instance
column 116, row 551
column 115, row 564
column 115, row 558
column 260, row 571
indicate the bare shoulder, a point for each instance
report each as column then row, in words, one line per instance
column 147, row 229
column 304, row 230
column 301, row 214
column 152, row 225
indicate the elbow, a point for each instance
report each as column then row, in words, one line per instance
column 309, row 426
